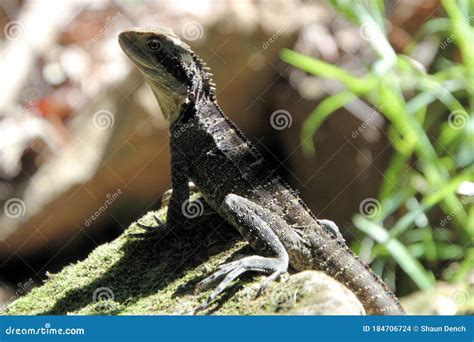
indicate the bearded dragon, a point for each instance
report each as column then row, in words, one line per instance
column 235, row 180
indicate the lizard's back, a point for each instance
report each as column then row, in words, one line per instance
column 224, row 162
column 235, row 179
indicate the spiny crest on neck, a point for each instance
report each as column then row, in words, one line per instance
column 208, row 86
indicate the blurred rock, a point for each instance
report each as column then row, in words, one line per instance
column 313, row 293
column 444, row 299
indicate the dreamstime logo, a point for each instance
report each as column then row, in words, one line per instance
column 452, row 37
column 465, row 200
column 109, row 21
column 182, row 128
column 458, row 119
column 370, row 30
column 192, row 209
column 109, row 200
column 460, row 296
column 367, row 122
column 103, row 294
column 281, row 119
column 22, row 288
column 13, row 30
column 370, row 207
column 103, row 119
column 273, row 38
column 192, row 30
column 14, row 208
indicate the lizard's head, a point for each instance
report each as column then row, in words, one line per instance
column 175, row 74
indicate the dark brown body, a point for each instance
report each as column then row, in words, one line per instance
column 221, row 161
column 236, row 181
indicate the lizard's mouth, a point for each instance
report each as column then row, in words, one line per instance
column 159, row 63
column 125, row 36
column 127, row 40
column 136, row 35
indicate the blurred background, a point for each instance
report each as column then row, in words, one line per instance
column 365, row 107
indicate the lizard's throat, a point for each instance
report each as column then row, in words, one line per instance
column 170, row 103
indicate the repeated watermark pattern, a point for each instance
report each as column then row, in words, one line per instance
column 109, row 22
column 192, row 208
column 464, row 201
column 103, row 119
column 460, row 296
column 281, row 119
column 266, row 44
column 21, row 289
column 28, row 106
column 192, row 30
column 181, row 129
column 458, row 119
column 13, row 30
column 370, row 207
column 14, row 208
column 110, row 198
column 452, row 37
column 370, row 30
column 102, row 295
column 373, row 116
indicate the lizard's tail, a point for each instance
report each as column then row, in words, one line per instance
column 345, row 267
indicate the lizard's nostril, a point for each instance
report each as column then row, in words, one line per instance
column 125, row 36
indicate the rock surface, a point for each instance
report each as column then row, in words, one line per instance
column 155, row 276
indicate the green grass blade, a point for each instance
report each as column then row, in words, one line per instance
column 422, row 278
column 320, row 113
column 326, row 70
column 392, row 175
column 430, row 200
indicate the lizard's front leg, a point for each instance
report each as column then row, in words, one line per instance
column 257, row 225
column 333, row 228
column 165, row 199
column 175, row 218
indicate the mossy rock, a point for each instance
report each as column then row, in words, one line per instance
column 156, row 276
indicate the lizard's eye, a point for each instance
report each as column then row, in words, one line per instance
column 154, row 44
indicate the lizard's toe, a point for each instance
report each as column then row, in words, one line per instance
column 271, row 278
column 158, row 222
column 230, row 271
column 160, row 229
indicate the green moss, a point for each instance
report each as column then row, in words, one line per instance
column 158, row 275
column 147, row 275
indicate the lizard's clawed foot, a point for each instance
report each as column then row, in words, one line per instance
column 270, row 279
column 230, row 271
column 159, row 229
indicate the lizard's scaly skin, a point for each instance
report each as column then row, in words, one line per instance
column 208, row 149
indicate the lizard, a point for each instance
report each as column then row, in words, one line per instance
column 209, row 150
